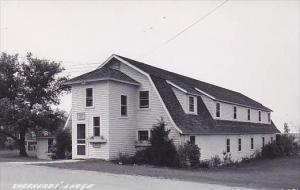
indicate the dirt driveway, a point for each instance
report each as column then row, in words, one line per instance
column 271, row 174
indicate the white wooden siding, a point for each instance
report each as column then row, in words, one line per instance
column 211, row 145
column 100, row 109
column 122, row 129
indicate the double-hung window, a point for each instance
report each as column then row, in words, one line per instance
column 269, row 117
column 89, row 97
column 96, row 123
column 249, row 115
column 123, row 105
column 234, row 112
column 239, row 144
column 143, row 135
column 259, row 115
column 218, row 109
column 227, row 145
column 144, row 99
column 191, row 104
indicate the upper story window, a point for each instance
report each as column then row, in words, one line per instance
column 144, row 99
column 218, row 109
column 191, row 104
column 249, row 114
column 89, row 97
column 269, row 117
column 234, row 112
column 143, row 135
column 96, row 123
column 239, row 144
column 123, row 105
column 259, row 115
column 227, row 145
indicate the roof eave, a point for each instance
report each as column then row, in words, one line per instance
column 102, row 79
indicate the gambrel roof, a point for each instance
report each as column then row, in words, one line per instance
column 190, row 85
column 201, row 123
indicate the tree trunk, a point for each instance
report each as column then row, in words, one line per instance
column 22, row 143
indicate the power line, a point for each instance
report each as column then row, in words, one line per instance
column 188, row 27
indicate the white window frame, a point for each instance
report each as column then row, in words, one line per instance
column 93, row 97
column 124, row 116
column 234, row 112
column 139, row 100
column 195, row 104
column 97, row 126
column 138, row 136
column 217, row 109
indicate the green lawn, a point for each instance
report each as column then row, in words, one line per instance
column 268, row 173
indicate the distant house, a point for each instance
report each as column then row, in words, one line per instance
column 115, row 106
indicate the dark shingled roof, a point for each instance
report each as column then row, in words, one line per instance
column 203, row 123
column 102, row 73
column 189, row 85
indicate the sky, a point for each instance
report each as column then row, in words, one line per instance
column 247, row 46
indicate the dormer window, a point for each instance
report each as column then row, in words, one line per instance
column 234, row 112
column 218, row 109
column 259, row 115
column 191, row 104
column 269, row 117
column 249, row 115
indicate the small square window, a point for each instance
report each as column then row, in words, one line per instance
column 143, row 135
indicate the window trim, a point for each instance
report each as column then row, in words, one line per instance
column 194, row 104
column 218, row 111
column 143, row 108
column 124, row 105
column 92, row 106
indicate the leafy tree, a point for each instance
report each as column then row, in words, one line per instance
column 63, row 143
column 163, row 151
column 286, row 128
column 28, row 90
column 189, row 153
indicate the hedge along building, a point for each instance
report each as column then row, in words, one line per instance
column 115, row 106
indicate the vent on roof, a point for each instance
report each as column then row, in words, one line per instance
column 115, row 65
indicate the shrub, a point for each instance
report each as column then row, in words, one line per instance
column 227, row 160
column 63, row 145
column 142, row 157
column 125, row 159
column 271, row 150
column 189, row 155
column 285, row 145
column 204, row 164
column 215, row 161
column 162, row 151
